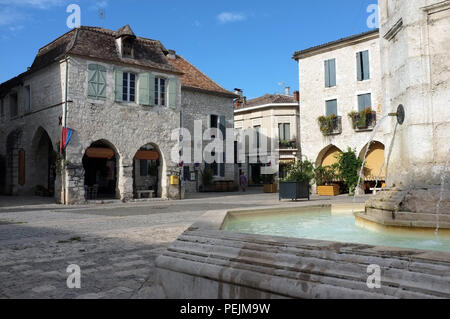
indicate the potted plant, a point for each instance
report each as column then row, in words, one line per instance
column 327, row 124
column 361, row 120
column 297, row 183
column 325, row 178
column 207, row 176
column 269, row 184
column 288, row 144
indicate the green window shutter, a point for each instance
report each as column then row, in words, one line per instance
column 361, row 103
column 327, row 74
column 280, row 132
column 332, row 75
column 287, row 131
column 359, row 66
column 366, row 65
column 101, row 92
column 144, row 89
column 151, row 85
column 172, row 96
column 119, row 85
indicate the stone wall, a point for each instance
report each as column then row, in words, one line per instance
column 314, row 94
column 26, row 129
column 126, row 127
column 415, row 41
column 199, row 106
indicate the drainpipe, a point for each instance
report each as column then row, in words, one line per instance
column 65, row 125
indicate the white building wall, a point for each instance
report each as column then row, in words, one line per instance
column 314, row 94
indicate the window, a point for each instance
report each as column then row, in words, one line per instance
column 13, row 105
column 364, row 101
column 330, row 73
column 129, row 87
column 27, row 98
column 143, row 168
column 284, row 131
column 258, row 135
column 2, row 108
column 362, row 64
column 96, row 81
column 331, row 107
column 127, row 48
column 160, row 91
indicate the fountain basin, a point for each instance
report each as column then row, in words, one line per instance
column 208, row 261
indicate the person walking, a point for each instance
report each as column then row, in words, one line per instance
column 243, row 181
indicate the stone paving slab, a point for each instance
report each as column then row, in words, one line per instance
column 115, row 245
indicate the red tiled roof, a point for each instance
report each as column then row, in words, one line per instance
column 194, row 79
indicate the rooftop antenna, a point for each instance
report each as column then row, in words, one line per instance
column 102, row 16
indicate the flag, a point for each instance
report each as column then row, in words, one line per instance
column 66, row 135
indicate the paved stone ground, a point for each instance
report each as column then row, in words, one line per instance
column 115, row 245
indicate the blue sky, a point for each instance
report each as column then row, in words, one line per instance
column 245, row 44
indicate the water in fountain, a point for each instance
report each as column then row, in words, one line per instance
column 361, row 171
column 441, row 196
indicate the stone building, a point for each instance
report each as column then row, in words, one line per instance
column 123, row 96
column 340, row 85
column 275, row 117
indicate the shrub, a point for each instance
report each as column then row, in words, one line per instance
column 326, row 124
column 300, row 171
column 326, row 175
column 349, row 165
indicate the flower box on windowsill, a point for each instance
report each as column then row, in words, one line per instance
column 363, row 121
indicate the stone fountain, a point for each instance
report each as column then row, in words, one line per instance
column 415, row 46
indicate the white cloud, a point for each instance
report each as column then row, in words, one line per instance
column 41, row 4
column 226, row 17
column 99, row 5
column 10, row 16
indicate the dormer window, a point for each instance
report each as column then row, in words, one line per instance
column 127, row 47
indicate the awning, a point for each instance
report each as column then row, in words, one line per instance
column 147, row 155
column 98, row 152
column 286, row 161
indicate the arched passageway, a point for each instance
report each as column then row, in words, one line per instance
column 100, row 164
column 44, row 164
column 328, row 156
column 374, row 169
column 147, row 172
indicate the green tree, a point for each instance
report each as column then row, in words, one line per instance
column 349, row 166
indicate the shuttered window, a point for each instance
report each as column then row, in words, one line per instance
column 160, row 91
column 13, row 105
column 331, row 107
column 284, row 131
column 173, row 93
column 96, row 81
column 129, row 87
column 364, row 101
column 330, row 73
column 223, row 129
column 363, row 66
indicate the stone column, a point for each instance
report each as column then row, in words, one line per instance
column 125, row 180
column 74, row 190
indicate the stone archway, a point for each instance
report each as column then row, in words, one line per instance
column 148, row 172
column 375, row 168
column 15, row 162
column 101, row 171
column 327, row 156
column 43, row 176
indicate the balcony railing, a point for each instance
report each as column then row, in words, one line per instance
column 330, row 125
column 290, row 144
column 364, row 121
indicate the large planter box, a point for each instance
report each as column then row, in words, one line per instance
column 294, row 190
column 330, row 190
column 270, row 188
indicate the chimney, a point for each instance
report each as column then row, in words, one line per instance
column 238, row 92
column 172, row 55
column 297, row 96
column 287, row 90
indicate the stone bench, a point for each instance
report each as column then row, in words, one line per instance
column 150, row 193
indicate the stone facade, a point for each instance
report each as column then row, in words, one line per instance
column 314, row 94
column 29, row 141
column 415, row 46
column 269, row 117
column 198, row 106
